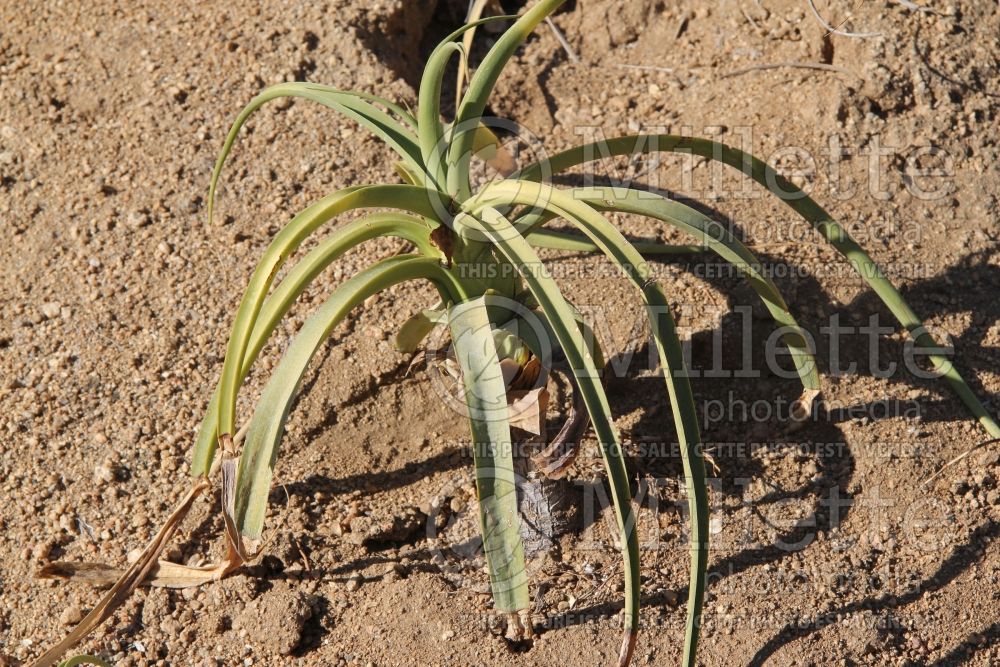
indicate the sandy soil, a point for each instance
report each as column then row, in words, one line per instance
column 117, row 298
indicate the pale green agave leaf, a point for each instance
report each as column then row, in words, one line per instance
column 806, row 207
column 253, row 481
column 722, row 242
column 572, row 340
column 288, row 290
column 480, row 86
column 476, row 9
column 410, row 198
column 509, row 346
column 556, row 240
column 606, row 236
column 430, row 129
column 418, row 326
column 713, row 236
column 485, row 396
column 349, row 103
column 532, row 328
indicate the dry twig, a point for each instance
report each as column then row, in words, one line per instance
column 798, row 65
column 835, row 30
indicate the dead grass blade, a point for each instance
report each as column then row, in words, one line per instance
column 148, row 569
column 958, row 459
column 133, row 576
column 823, row 67
column 836, row 30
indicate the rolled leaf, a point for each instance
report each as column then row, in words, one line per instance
column 253, row 481
column 492, row 447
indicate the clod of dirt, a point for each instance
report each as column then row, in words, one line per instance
column 371, row 533
column 276, row 620
column 51, row 309
column 71, row 615
column 106, row 472
column 102, row 180
column 155, row 607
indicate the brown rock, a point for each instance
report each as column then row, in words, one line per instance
column 71, row 615
column 276, row 620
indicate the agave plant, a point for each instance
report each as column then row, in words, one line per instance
column 508, row 319
column 478, row 250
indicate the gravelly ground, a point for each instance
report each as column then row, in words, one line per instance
column 117, row 300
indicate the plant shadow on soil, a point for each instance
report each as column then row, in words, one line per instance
column 929, row 297
column 835, row 470
column 961, row 559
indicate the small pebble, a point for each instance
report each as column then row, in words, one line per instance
column 137, row 219
column 105, row 472
column 51, row 309
column 71, row 615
